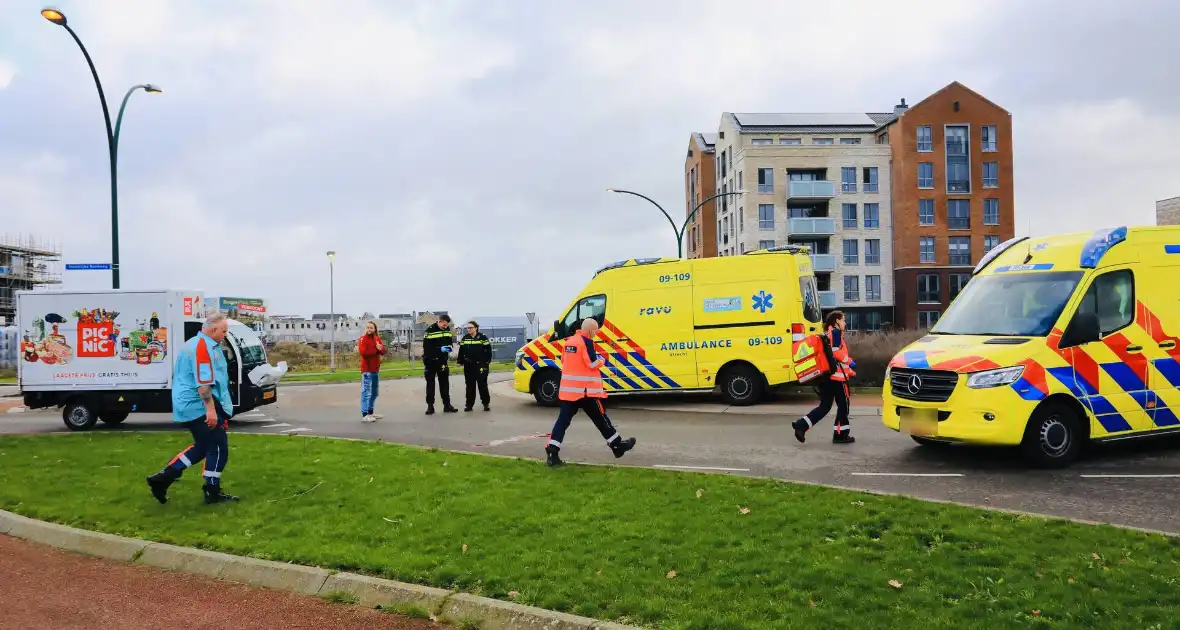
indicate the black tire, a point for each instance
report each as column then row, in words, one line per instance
column 1054, row 437
column 113, row 417
column 546, row 385
column 925, row 441
column 741, row 385
column 79, row 416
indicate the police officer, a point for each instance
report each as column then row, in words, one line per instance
column 475, row 355
column 581, row 388
column 436, row 357
column 200, row 401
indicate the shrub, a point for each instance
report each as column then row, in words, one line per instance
column 873, row 351
column 301, row 357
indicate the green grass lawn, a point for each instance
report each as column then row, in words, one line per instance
column 671, row 550
column 393, row 369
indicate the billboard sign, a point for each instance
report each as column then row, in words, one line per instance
column 246, row 310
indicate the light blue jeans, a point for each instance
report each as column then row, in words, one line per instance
column 369, row 382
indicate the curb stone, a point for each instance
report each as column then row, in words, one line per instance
column 493, row 614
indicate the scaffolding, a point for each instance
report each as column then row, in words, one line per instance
column 26, row 262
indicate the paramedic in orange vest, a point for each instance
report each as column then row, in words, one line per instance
column 834, row 388
column 581, row 388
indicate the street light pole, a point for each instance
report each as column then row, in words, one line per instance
column 59, row 18
column 332, row 307
column 679, row 232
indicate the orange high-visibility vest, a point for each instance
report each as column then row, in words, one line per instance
column 579, row 376
column 841, row 371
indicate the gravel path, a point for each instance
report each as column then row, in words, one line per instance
column 51, row 589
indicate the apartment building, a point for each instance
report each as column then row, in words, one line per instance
column 952, row 196
column 700, row 183
column 818, row 180
column 1167, row 211
column 26, row 263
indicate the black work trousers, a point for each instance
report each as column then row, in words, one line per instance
column 476, row 377
column 832, row 391
column 593, row 408
column 441, row 373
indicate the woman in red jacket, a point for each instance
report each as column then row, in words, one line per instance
column 833, row 389
column 371, row 349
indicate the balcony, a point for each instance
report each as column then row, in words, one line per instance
column 822, row 263
column 958, row 186
column 827, row 299
column 816, row 226
column 810, row 190
column 956, row 146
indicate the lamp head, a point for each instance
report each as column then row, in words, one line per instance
column 331, row 255
column 152, row 89
column 53, row 15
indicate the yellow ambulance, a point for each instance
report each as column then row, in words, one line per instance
column 1055, row 342
column 670, row 324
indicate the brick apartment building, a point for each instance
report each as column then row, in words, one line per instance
column 922, row 193
column 699, row 184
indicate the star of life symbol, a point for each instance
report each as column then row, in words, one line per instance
column 762, row 301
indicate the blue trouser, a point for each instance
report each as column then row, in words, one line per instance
column 593, row 408
column 209, row 444
column 369, row 386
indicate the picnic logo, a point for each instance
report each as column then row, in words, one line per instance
column 95, row 339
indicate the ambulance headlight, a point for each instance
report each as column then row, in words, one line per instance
column 995, row 378
column 519, row 359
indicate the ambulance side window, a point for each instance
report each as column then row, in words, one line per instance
column 1112, row 298
column 591, row 306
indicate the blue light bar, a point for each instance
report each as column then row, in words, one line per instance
column 1099, row 243
column 995, row 253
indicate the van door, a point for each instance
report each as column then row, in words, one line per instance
column 657, row 352
column 1157, row 313
column 1112, row 376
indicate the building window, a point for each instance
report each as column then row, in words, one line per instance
column 848, row 210
column 870, row 179
column 883, row 138
column 925, row 175
column 742, row 248
column 991, row 174
column 766, row 216
column 822, row 141
column 766, row 244
column 925, row 212
column 851, row 251
column 790, row 140
column 958, row 164
column 872, row 320
column 766, row 181
column 851, row 288
column 990, row 242
column 958, row 281
column 991, row 211
column 928, row 290
column 927, row 319
column 740, row 186
column 872, row 251
column 989, row 137
column 958, row 214
column 960, row 250
column 848, row 179
column 759, row 142
column 849, row 140
column 926, row 249
column 925, row 139
column 872, row 216
column 873, row 288
column 741, row 219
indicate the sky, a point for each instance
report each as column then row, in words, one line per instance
column 456, row 154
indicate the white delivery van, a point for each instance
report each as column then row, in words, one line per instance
column 102, row 355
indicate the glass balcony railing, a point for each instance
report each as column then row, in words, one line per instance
column 827, row 299
column 823, row 262
column 813, row 189
column 818, row 226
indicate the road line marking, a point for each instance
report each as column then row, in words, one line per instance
column 519, row 438
column 701, row 468
column 289, row 431
column 253, row 415
column 880, row 474
column 1130, row 476
column 275, row 426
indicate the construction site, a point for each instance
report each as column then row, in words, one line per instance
column 26, row 262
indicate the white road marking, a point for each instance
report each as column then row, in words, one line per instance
column 276, row 425
column 1130, row 476
column 289, row 431
column 519, row 438
column 880, row 474
column 701, row 468
column 18, row 410
column 253, row 415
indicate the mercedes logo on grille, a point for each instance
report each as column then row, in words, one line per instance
column 915, row 384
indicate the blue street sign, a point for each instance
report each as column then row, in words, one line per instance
column 88, row 267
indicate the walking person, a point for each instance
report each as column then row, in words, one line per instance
column 833, row 389
column 200, row 401
column 437, row 343
column 475, row 355
column 581, row 389
column 371, row 348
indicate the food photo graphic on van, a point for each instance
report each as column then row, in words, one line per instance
column 92, row 333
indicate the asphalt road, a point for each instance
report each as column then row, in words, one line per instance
column 1132, row 485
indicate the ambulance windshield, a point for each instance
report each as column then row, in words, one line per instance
column 1009, row 304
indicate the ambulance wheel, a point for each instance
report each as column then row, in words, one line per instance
column 545, row 387
column 113, row 417
column 78, row 416
column 741, row 385
column 1054, row 437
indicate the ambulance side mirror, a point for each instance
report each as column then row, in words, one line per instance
column 558, row 332
column 1084, row 329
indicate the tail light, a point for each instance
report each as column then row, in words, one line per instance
column 797, row 331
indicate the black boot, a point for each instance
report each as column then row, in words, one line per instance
column 838, row 438
column 467, row 408
column 487, row 406
column 800, row 427
column 160, row 481
column 447, row 408
column 213, row 494
column 430, row 410
column 551, row 458
column 620, row 447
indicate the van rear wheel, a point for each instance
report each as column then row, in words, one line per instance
column 79, row 416
column 741, row 385
column 113, row 417
column 546, row 385
column 1054, row 437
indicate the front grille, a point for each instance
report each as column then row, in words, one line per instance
column 935, row 385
